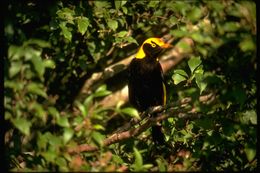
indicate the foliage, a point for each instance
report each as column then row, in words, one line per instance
column 55, row 46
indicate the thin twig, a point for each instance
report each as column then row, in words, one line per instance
column 163, row 112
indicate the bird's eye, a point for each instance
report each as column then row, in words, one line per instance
column 153, row 45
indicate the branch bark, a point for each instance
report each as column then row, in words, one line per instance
column 178, row 109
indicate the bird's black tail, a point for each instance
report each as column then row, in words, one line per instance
column 158, row 136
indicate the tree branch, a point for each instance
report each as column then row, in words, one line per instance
column 179, row 109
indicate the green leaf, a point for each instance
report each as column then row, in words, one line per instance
column 66, row 14
column 198, row 37
column 131, row 112
column 138, row 163
column 247, row 45
column 13, row 85
column 54, row 112
column 131, row 40
column 62, row 164
column 38, row 65
column 117, row 159
column 40, row 43
column 162, row 165
column 200, row 82
column 194, row 63
column 98, row 137
column 145, row 167
column 101, row 91
column 117, row 4
column 83, row 24
column 179, row 76
column 194, row 14
column 250, row 153
column 15, row 52
column 124, row 10
column 42, row 141
column 36, row 89
column 112, row 24
column 63, row 121
column 40, row 112
column 122, row 34
column 23, row 125
column 230, row 26
column 249, row 116
column 178, row 33
column 87, row 102
column 183, row 47
column 98, row 127
column 49, row 156
column 67, row 134
column 15, row 68
column 153, row 4
column 181, row 72
column 53, row 140
column 65, row 32
column 48, row 63
column 82, row 109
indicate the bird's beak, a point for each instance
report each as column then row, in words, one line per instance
column 165, row 44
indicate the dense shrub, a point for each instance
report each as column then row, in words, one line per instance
column 55, row 46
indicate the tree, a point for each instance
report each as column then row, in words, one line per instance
column 66, row 71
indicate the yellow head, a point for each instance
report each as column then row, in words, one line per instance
column 151, row 47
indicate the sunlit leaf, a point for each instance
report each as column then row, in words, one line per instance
column 193, row 63
column 48, row 63
column 153, row 4
column 179, row 76
column 40, row 43
column 117, row 4
column 98, row 127
column 122, row 33
column 113, row 24
column 62, row 164
column 39, row 111
column 23, row 125
column 194, row 14
column 38, row 65
column 98, row 137
column 124, row 10
column 15, row 68
column 66, row 14
column 131, row 112
column 138, row 163
column 42, row 141
column 247, row 45
column 36, row 89
column 83, row 24
column 161, row 165
column 49, row 156
column 67, row 134
column 250, row 153
column 63, row 121
column 82, row 109
column 230, row 26
column 54, row 140
column 101, row 91
column 15, row 52
column 200, row 82
column 65, row 32
column 53, row 111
